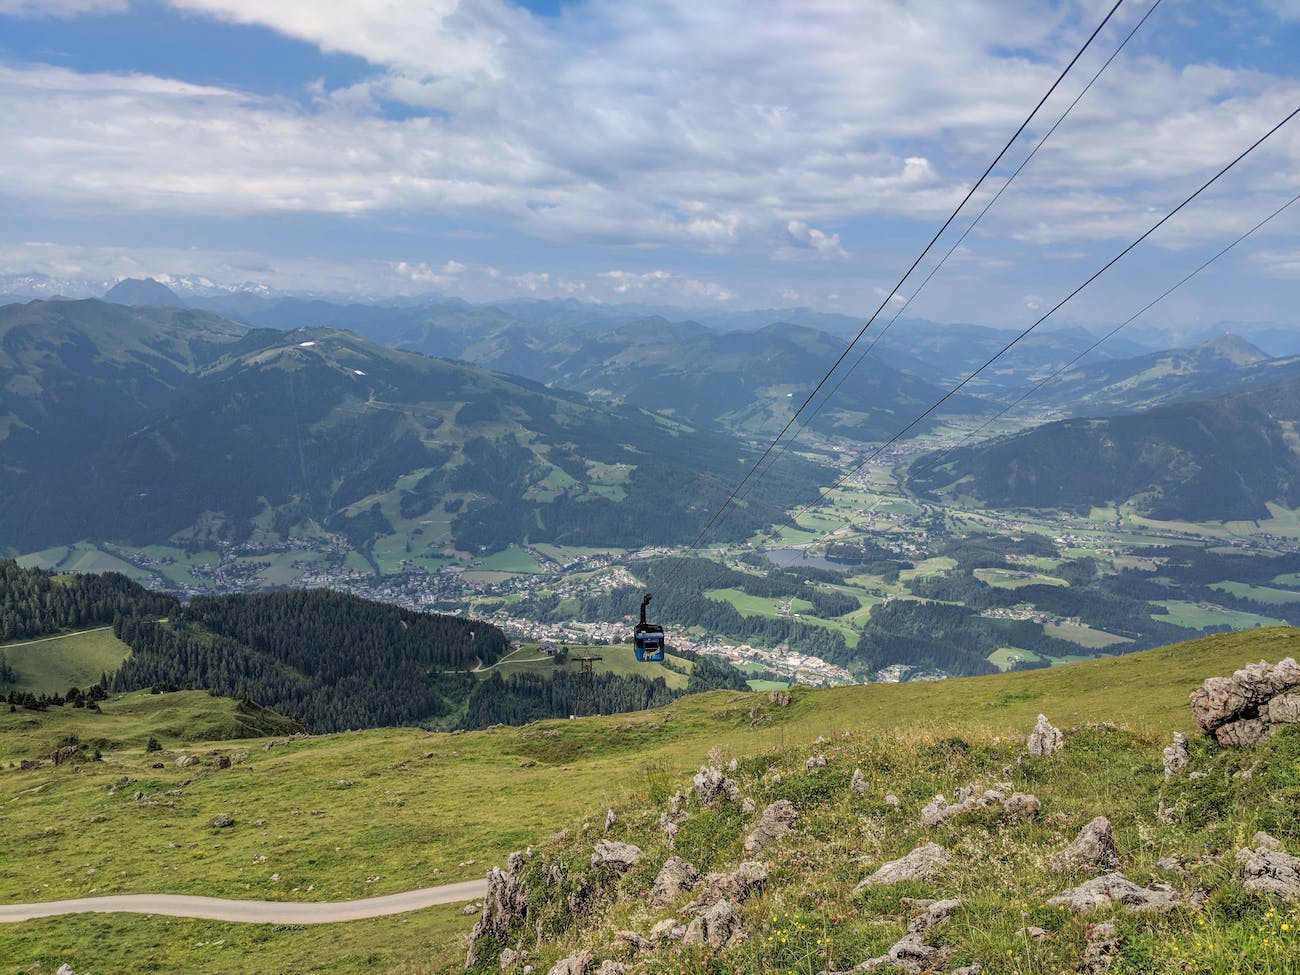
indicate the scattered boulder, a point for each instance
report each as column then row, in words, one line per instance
column 675, row 878
column 892, row 800
column 220, row 762
column 1251, row 704
column 815, row 761
column 780, row 698
column 609, row 967
column 912, row 953
column 1266, row 868
column 508, row 958
column 1001, row 798
column 1176, row 756
column 222, row 821
column 858, row 784
column 668, row 928
column 1093, row 850
column 611, row 818
column 185, row 761
column 924, row 863
column 638, row 941
column 777, row 822
column 620, row 856
column 503, row 905
column 469, row 909
column 719, row 927
column 1114, row 889
column 573, row 965
column 68, row 753
column 734, row 886
column 711, row 785
column 1044, row 740
column 1101, row 948
column 65, row 969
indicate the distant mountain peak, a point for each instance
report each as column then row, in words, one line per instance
column 143, row 291
column 1235, row 349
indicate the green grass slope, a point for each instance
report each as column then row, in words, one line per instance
column 51, row 665
column 360, row 814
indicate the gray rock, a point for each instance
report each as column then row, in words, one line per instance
column 780, row 698
column 611, row 818
column 619, row 856
column 1262, row 841
column 508, row 958
column 1101, row 948
column 711, row 786
column 469, row 909
column 668, row 928
column 675, row 878
column 1116, row 890
column 1268, row 869
column 1239, row 710
column 719, row 927
column 1176, row 756
column 638, row 941
column 1045, row 740
column 1001, row 798
column 503, row 906
column 185, row 761
column 892, row 800
column 924, row 863
column 1166, row 815
column 573, row 965
column 815, row 761
column 777, row 822
column 1021, row 805
column 609, row 967
column 65, row 969
column 1171, row 864
column 858, row 784
column 220, row 762
column 222, row 821
column 734, row 886
column 1093, row 850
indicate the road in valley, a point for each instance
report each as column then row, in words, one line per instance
column 250, row 912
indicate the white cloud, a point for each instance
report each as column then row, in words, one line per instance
column 664, row 285
column 677, row 124
column 808, row 239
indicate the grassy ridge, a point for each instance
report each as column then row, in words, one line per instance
column 370, row 813
column 54, row 664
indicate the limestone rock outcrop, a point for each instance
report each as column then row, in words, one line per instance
column 675, row 878
column 1266, row 868
column 777, row 822
column 1045, row 740
column 1251, row 704
column 924, row 863
column 503, row 904
column 1116, row 890
column 1094, row 849
column 618, row 856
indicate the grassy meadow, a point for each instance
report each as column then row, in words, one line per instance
column 376, row 812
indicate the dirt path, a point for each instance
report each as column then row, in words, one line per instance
column 47, row 639
column 250, row 912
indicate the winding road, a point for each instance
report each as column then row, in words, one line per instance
column 250, row 912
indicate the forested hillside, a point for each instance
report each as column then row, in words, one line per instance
column 35, row 603
column 146, row 427
column 1212, row 460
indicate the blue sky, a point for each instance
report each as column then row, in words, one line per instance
column 724, row 153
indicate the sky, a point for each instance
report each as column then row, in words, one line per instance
column 701, row 153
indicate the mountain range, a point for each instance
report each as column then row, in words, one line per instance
column 142, row 425
column 1217, row 459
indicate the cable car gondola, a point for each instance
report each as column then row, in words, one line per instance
column 648, row 638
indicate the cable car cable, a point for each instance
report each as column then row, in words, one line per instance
column 915, row 263
column 1015, row 341
column 931, row 465
column 880, row 333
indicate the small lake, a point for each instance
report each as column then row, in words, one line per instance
column 792, row 558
